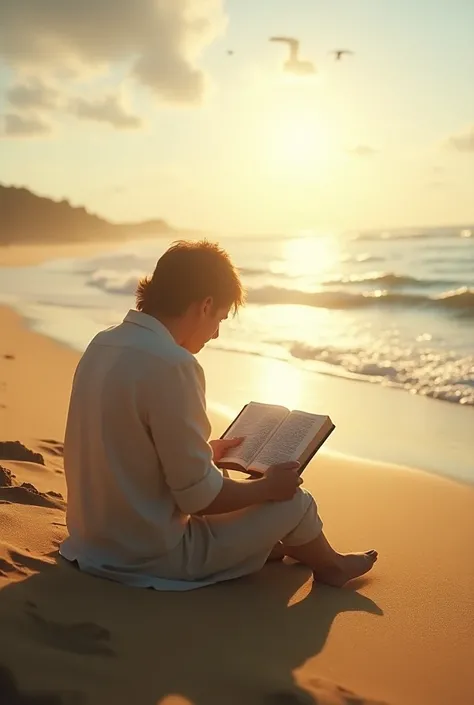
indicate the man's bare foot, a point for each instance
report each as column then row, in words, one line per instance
column 345, row 567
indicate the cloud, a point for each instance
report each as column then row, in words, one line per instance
column 33, row 93
column 108, row 109
column 20, row 126
column 464, row 141
column 362, row 150
column 158, row 42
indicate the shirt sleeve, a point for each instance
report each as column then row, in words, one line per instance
column 180, row 429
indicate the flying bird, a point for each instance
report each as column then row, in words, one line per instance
column 230, row 52
column 339, row 53
column 294, row 64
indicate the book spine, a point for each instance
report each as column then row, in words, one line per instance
column 315, row 450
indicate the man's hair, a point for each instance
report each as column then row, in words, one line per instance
column 187, row 273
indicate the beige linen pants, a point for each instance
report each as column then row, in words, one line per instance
column 225, row 546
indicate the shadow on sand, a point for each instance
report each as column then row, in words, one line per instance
column 94, row 641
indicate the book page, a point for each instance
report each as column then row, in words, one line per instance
column 257, row 422
column 291, row 439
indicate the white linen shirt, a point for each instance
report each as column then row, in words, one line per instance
column 136, row 454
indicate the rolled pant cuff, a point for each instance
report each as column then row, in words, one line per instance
column 307, row 530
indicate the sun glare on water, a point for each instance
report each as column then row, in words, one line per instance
column 311, row 255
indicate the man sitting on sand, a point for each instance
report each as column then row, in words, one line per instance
column 147, row 505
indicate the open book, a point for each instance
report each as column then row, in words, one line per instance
column 274, row 434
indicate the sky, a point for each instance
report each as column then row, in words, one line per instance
column 138, row 110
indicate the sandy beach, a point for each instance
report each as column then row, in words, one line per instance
column 288, row 188
column 404, row 635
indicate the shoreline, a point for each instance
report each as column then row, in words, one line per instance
column 375, row 424
column 18, row 256
column 13, row 422
column 392, row 426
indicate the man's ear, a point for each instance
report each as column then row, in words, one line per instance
column 208, row 305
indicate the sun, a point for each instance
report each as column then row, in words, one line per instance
column 298, row 144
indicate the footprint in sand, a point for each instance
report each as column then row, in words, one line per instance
column 86, row 638
column 10, row 694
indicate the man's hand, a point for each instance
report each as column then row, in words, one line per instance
column 282, row 481
column 279, row 483
column 221, row 446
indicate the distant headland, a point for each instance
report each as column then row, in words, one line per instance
column 26, row 218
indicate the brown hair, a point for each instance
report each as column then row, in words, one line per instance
column 189, row 272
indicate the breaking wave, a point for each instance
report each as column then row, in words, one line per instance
column 390, row 279
column 459, row 300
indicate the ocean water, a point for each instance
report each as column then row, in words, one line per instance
column 389, row 308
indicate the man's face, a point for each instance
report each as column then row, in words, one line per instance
column 206, row 320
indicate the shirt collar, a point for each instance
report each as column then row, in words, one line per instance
column 146, row 321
